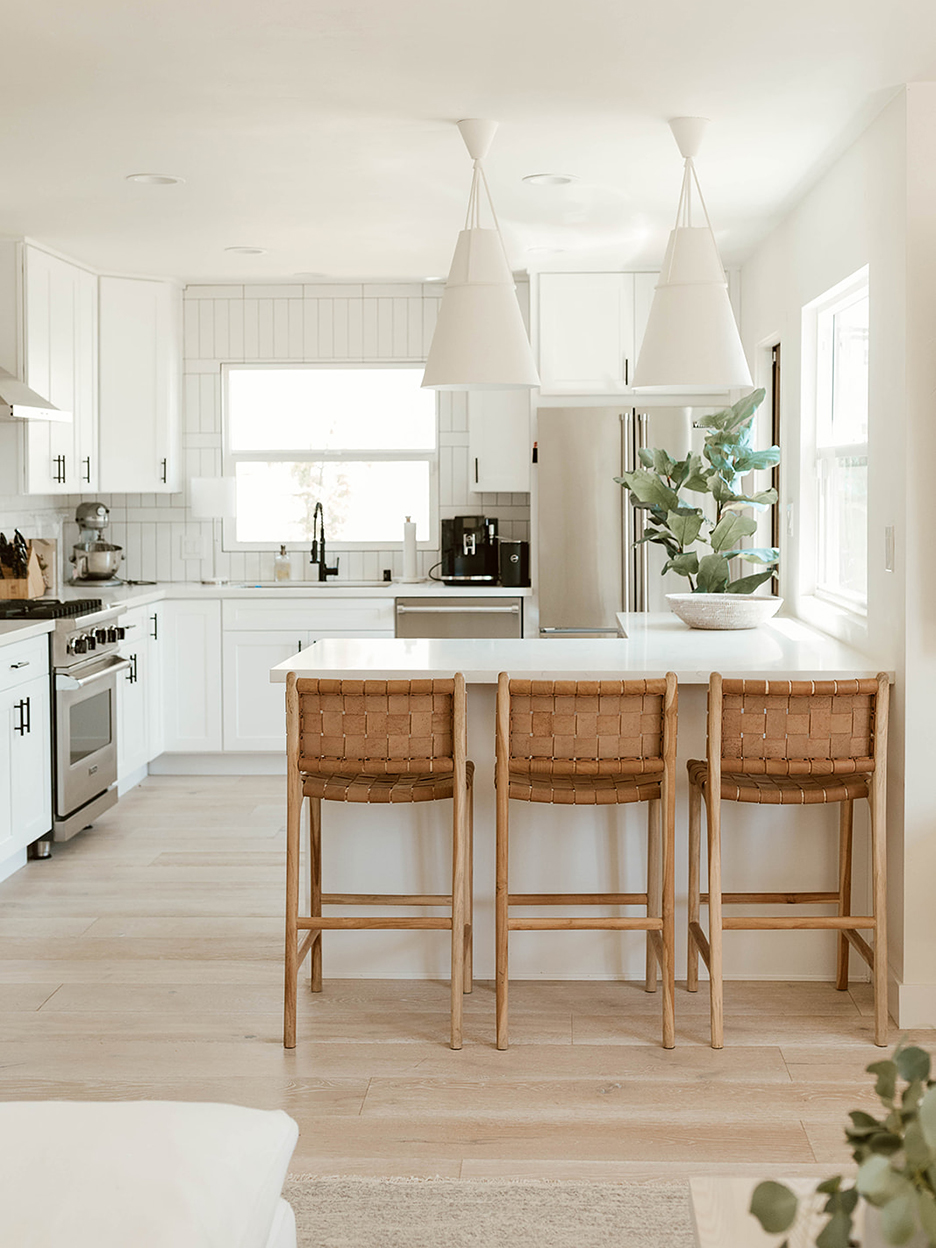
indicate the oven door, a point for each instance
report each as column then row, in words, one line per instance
column 85, row 732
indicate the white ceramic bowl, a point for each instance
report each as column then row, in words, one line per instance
column 723, row 610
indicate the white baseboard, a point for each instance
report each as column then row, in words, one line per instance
column 126, row 783
column 218, row 765
column 914, row 1005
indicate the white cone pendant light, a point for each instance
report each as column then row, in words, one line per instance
column 480, row 342
column 691, row 343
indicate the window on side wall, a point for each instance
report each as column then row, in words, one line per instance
column 838, row 322
column 360, row 440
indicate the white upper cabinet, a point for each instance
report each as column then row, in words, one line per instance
column 584, row 332
column 499, row 447
column 140, row 371
column 60, row 363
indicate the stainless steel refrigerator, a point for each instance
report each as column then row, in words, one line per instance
column 588, row 566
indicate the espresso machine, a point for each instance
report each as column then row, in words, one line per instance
column 469, row 550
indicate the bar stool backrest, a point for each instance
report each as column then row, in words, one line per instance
column 796, row 727
column 588, row 727
column 376, row 727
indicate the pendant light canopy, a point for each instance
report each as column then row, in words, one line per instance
column 480, row 342
column 691, row 343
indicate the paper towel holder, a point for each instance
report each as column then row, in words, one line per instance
column 410, row 556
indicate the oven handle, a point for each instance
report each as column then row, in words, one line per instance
column 66, row 683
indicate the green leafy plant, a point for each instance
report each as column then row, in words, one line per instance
column 896, row 1156
column 683, row 528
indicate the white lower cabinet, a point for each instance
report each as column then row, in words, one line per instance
column 155, row 710
column 132, row 715
column 255, row 709
column 191, row 676
column 258, row 634
column 25, row 750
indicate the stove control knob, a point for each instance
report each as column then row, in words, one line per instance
column 89, row 640
column 121, row 632
column 80, row 645
column 100, row 636
column 112, row 635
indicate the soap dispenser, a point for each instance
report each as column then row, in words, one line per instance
column 282, row 568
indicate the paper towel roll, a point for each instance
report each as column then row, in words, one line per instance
column 409, row 551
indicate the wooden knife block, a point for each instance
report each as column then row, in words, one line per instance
column 30, row 586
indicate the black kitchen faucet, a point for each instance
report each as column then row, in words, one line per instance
column 318, row 545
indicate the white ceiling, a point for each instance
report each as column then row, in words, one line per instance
column 322, row 129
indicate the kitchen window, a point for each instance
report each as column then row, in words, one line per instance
column 838, row 324
column 361, row 440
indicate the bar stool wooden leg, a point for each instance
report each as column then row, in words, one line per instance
column 469, row 895
column 716, row 988
column 315, row 886
column 669, row 917
column 695, row 850
column 654, row 887
column 501, row 913
column 879, row 893
column 293, row 824
column 459, row 839
column 846, row 820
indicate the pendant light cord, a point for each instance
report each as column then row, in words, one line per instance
column 684, row 211
column 473, row 215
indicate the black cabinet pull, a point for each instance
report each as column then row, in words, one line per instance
column 87, row 472
column 476, row 470
column 131, row 676
column 164, row 469
column 155, row 633
column 24, row 725
column 626, row 371
column 58, row 470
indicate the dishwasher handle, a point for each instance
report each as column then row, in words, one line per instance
column 553, row 632
column 512, row 610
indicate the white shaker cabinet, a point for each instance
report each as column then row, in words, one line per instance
column 132, row 714
column 25, row 750
column 139, row 385
column 499, row 446
column 60, row 358
column 156, row 646
column 191, row 676
column 584, row 332
column 255, row 709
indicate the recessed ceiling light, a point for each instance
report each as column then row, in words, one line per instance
column 154, row 179
column 247, row 251
column 549, row 179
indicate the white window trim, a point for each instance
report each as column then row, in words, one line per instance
column 229, row 460
column 848, row 621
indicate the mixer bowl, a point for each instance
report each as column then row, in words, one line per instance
column 98, row 562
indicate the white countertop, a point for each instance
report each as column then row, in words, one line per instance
column 23, row 630
column 655, row 643
column 138, row 595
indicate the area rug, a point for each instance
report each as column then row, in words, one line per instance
column 488, row 1213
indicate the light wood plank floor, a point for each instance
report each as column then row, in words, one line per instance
column 144, row 960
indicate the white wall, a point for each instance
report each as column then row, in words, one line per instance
column 877, row 206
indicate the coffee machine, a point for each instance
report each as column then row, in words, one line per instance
column 469, row 550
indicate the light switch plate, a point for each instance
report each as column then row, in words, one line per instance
column 193, row 547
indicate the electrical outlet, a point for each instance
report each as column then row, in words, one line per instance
column 193, row 547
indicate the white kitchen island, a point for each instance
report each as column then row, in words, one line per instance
column 584, row 849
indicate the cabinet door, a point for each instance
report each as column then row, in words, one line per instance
column 52, row 367
column 8, row 845
column 30, row 730
column 132, row 712
column 192, row 676
column 154, row 680
column 255, row 709
column 499, row 449
column 139, row 372
column 585, row 324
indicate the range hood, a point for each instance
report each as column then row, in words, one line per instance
column 25, row 404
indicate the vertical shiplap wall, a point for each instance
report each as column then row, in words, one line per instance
column 305, row 324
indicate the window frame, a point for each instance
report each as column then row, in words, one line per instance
column 231, row 458
column 838, row 612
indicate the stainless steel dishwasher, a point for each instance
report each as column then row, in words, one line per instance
column 459, row 617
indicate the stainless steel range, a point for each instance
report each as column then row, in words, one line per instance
column 85, row 666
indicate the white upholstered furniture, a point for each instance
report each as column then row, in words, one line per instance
column 154, row 1174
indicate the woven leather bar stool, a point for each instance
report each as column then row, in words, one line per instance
column 586, row 743
column 792, row 743
column 375, row 741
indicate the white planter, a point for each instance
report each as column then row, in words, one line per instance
column 723, row 610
